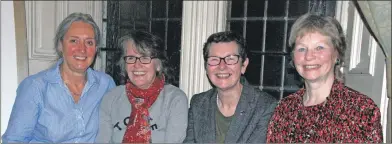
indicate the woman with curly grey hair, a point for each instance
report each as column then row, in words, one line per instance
column 147, row 108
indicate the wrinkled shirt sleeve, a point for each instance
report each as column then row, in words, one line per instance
column 25, row 113
column 111, row 84
column 105, row 127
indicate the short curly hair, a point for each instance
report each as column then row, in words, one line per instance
column 226, row 36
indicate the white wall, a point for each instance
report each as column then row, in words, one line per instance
column 8, row 62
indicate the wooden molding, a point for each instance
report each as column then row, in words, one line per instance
column 43, row 17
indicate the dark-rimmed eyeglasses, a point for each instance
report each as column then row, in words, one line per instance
column 133, row 59
column 229, row 60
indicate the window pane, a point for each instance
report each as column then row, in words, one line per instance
column 276, row 8
column 124, row 31
column 293, row 80
column 272, row 70
column 252, row 73
column 175, row 8
column 254, row 35
column 174, row 48
column 297, row 8
column 124, row 12
column 287, row 93
column 142, row 25
column 127, row 24
column 236, row 26
column 134, row 10
column 174, row 36
column 237, row 8
column 158, row 28
column 275, row 93
column 289, row 25
column 132, row 25
column 256, row 8
column 158, row 8
column 275, row 36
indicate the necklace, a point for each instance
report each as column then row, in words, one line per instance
column 306, row 98
column 217, row 98
column 74, row 90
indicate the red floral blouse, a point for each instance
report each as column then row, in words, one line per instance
column 346, row 116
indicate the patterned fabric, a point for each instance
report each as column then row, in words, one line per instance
column 346, row 116
column 138, row 129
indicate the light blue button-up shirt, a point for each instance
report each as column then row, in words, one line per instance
column 44, row 110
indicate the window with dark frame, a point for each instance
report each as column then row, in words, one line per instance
column 264, row 24
column 162, row 18
column 266, row 28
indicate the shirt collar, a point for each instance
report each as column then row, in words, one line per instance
column 53, row 75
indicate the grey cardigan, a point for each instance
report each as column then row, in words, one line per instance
column 168, row 116
column 249, row 124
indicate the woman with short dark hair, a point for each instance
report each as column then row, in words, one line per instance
column 233, row 111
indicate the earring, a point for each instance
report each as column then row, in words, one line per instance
column 337, row 62
column 291, row 63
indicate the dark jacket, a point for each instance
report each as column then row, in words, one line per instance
column 249, row 123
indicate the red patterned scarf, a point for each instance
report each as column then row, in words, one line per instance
column 138, row 128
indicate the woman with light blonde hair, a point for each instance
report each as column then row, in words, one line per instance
column 324, row 110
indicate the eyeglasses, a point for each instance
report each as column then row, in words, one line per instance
column 133, row 59
column 229, row 60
